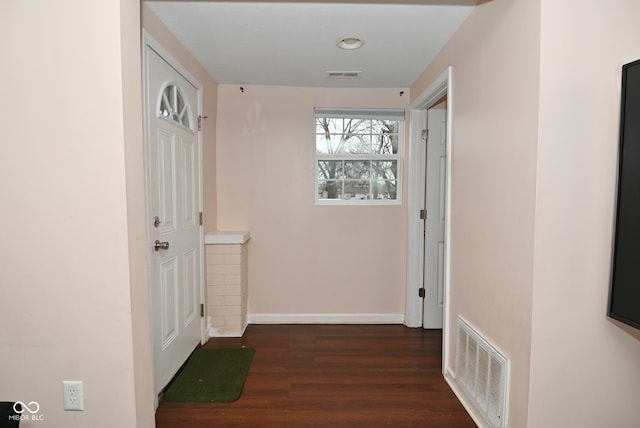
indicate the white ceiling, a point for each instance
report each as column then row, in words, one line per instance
column 294, row 43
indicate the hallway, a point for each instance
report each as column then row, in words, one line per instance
column 332, row 375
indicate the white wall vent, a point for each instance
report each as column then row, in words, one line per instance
column 482, row 372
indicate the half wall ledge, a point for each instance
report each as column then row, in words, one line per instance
column 238, row 237
column 226, row 282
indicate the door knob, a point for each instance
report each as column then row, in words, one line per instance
column 160, row 245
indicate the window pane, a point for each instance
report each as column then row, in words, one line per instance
column 385, row 189
column 357, row 135
column 330, row 170
column 356, row 189
column 165, row 104
column 326, row 125
column 391, row 125
column 355, row 144
column 180, row 102
column 386, row 170
column 343, row 144
column 327, row 144
column 183, row 114
column 385, row 144
column 357, row 169
column 385, row 136
column 329, row 189
column 356, row 126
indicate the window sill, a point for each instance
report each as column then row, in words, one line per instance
column 355, row 202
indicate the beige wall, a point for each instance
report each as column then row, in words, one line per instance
column 159, row 31
column 495, row 105
column 585, row 368
column 532, row 274
column 303, row 258
column 136, row 212
column 72, row 302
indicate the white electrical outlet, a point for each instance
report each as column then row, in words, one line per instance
column 73, row 398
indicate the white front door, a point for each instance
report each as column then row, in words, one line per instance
column 174, row 203
column 434, row 246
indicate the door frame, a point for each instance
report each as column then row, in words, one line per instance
column 440, row 87
column 149, row 42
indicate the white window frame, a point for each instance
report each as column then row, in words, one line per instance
column 385, row 114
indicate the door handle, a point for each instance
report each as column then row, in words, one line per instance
column 160, row 245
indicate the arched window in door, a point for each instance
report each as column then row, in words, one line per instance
column 174, row 107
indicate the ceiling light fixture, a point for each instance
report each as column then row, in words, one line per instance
column 350, row 43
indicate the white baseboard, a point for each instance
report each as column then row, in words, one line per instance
column 214, row 332
column 467, row 403
column 326, row 318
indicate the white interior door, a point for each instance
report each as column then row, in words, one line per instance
column 174, row 201
column 435, row 205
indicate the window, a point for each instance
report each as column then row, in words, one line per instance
column 173, row 106
column 358, row 155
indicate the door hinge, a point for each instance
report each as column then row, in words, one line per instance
column 200, row 217
column 421, row 292
column 202, row 310
column 425, row 134
column 423, row 214
column 200, row 122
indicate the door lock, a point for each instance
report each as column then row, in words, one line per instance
column 160, row 245
column 156, row 221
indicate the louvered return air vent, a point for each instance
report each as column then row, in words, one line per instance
column 344, row 74
column 482, row 372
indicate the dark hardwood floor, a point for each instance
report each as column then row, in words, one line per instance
column 332, row 375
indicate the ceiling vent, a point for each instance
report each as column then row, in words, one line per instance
column 344, row 74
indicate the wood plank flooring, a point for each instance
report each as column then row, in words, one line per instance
column 332, row 375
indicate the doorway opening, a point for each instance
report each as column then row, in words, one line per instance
column 434, row 307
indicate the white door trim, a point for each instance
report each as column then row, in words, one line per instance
column 417, row 156
column 149, row 42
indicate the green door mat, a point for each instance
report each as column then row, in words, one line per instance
column 212, row 375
